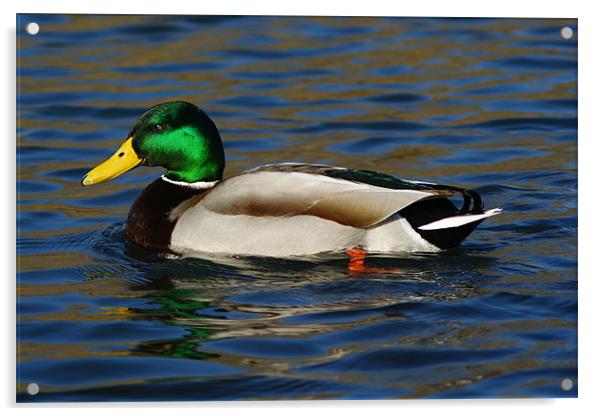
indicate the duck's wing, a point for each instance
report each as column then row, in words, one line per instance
column 351, row 197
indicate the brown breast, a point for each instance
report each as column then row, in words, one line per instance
column 149, row 223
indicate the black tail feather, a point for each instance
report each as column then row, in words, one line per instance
column 430, row 210
column 472, row 200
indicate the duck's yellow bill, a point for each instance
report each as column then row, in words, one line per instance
column 124, row 159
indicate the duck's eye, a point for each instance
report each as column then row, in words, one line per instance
column 159, row 127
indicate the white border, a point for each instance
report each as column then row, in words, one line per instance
column 458, row 8
column 590, row 202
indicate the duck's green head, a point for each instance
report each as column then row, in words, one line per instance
column 176, row 135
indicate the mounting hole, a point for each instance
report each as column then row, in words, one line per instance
column 566, row 32
column 32, row 28
column 33, row 389
column 566, row 384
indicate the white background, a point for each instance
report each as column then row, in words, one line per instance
column 590, row 201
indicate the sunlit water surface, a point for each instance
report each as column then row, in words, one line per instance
column 480, row 103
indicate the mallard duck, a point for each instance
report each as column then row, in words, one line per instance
column 278, row 210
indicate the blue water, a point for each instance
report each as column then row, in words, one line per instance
column 488, row 104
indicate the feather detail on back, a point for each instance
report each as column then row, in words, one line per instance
column 277, row 193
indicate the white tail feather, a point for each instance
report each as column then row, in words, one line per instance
column 452, row 222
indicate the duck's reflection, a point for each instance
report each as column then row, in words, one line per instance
column 280, row 300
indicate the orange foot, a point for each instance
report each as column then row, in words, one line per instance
column 356, row 263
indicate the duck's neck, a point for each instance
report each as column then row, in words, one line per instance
column 202, row 172
column 153, row 215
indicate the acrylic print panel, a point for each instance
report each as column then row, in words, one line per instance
column 110, row 310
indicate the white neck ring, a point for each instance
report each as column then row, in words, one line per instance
column 193, row 185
